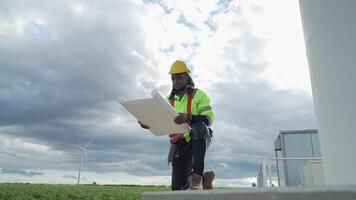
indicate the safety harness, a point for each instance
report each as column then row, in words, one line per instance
column 175, row 138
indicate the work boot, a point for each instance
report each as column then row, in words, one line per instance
column 195, row 182
column 208, row 178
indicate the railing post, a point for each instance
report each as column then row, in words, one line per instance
column 264, row 180
column 270, row 172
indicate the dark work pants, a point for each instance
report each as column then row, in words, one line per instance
column 190, row 160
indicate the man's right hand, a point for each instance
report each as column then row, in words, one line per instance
column 143, row 125
column 175, row 138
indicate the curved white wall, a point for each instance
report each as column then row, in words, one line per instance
column 330, row 37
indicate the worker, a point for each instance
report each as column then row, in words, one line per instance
column 187, row 151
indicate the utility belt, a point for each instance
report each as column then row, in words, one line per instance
column 199, row 131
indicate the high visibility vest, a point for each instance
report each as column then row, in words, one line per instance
column 200, row 105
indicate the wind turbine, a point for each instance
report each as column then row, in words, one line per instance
column 84, row 153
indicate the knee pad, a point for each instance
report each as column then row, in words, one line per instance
column 199, row 131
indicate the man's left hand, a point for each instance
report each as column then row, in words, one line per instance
column 181, row 118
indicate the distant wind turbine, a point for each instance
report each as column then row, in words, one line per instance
column 84, row 154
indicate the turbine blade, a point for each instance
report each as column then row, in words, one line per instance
column 88, row 179
column 77, row 146
column 91, row 140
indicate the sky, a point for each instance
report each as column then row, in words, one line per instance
column 64, row 64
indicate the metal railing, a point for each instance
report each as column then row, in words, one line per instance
column 265, row 173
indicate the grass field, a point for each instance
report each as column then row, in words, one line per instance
column 73, row 192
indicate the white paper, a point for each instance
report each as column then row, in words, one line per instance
column 155, row 112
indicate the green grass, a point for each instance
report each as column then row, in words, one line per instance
column 73, row 192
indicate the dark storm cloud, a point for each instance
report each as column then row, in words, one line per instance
column 83, row 69
column 60, row 80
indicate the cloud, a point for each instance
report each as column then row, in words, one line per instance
column 70, row 177
column 64, row 65
column 249, row 116
column 61, row 90
column 20, row 172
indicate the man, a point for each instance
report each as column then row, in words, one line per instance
column 187, row 151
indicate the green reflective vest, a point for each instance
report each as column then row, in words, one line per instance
column 200, row 106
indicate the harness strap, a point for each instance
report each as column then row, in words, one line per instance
column 189, row 104
column 189, row 110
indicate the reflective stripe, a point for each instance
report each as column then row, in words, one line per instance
column 204, row 109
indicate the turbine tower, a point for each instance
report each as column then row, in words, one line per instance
column 329, row 32
column 84, row 153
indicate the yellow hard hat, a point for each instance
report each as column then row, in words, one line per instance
column 178, row 67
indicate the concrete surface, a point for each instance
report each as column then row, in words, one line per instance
column 292, row 193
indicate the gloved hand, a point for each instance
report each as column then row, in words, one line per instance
column 175, row 138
